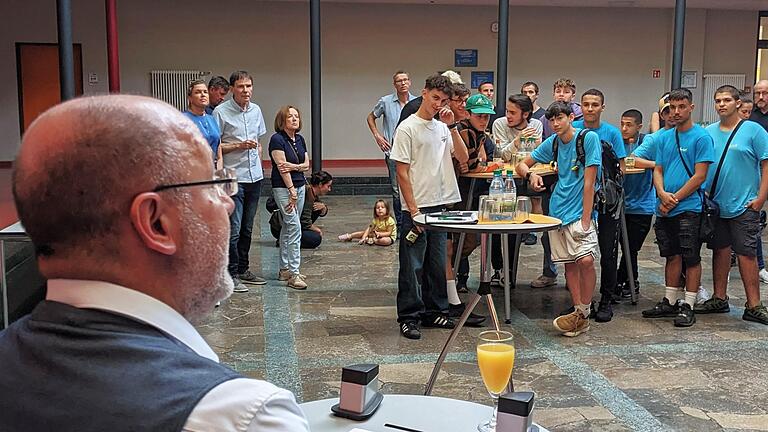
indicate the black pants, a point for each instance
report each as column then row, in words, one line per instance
column 607, row 240
column 497, row 260
column 638, row 227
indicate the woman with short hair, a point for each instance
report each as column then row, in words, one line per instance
column 288, row 153
column 197, row 101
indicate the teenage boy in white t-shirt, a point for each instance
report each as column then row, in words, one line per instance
column 423, row 149
column 575, row 243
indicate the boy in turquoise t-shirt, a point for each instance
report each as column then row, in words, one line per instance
column 593, row 105
column 740, row 191
column 639, row 201
column 683, row 155
column 575, row 243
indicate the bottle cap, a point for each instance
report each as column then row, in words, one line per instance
column 497, row 172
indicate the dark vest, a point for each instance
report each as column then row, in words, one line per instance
column 69, row 369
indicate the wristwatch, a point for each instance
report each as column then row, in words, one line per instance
column 453, row 126
column 528, row 176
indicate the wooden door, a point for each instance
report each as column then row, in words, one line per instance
column 37, row 67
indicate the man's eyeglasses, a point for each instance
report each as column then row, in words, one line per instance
column 224, row 180
column 460, row 100
column 402, row 81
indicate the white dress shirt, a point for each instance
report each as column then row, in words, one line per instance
column 241, row 404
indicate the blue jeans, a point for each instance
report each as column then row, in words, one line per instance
column 290, row 233
column 396, row 206
column 421, row 291
column 241, row 226
column 310, row 239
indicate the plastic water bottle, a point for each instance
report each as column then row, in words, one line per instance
column 510, row 198
column 496, row 193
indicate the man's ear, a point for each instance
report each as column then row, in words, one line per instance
column 153, row 225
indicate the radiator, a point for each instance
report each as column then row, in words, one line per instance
column 171, row 85
column 711, row 83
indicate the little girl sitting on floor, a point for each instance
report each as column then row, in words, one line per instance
column 382, row 231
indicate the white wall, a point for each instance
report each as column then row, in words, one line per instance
column 363, row 44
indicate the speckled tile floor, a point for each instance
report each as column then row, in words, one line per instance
column 629, row 374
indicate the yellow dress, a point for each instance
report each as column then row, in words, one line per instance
column 386, row 225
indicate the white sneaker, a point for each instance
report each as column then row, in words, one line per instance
column 763, row 276
column 239, row 286
column 702, row 295
column 285, row 274
column 296, row 282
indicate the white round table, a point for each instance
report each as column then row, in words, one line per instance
column 419, row 413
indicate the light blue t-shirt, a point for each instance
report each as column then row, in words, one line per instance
column 639, row 194
column 608, row 133
column 696, row 147
column 209, row 128
column 739, row 179
column 568, row 197
column 647, row 149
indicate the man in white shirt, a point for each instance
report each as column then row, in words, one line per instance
column 242, row 124
column 423, row 149
column 133, row 252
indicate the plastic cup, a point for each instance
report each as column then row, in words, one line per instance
column 523, row 211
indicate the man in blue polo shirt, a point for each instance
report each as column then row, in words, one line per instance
column 242, row 124
column 683, row 156
column 575, row 243
column 639, row 200
column 593, row 105
column 741, row 188
column 389, row 107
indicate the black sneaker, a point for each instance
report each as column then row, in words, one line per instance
column 438, row 321
column 757, row 314
column 713, row 305
column 686, row 317
column 496, row 278
column 410, row 330
column 626, row 290
column 461, row 283
column 662, row 310
column 473, row 320
column 529, row 239
column 604, row 311
column 570, row 310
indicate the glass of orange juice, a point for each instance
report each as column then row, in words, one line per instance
column 495, row 358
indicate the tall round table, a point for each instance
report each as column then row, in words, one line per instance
column 418, row 413
column 484, row 230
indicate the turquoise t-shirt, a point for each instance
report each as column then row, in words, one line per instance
column 739, row 179
column 608, row 133
column 639, row 194
column 567, row 199
column 647, row 149
column 696, row 147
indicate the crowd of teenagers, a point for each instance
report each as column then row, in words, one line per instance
column 233, row 128
column 703, row 186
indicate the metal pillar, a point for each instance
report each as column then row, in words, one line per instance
column 677, row 48
column 113, row 58
column 501, row 56
column 316, row 100
column 66, row 55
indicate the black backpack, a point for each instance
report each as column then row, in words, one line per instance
column 609, row 199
